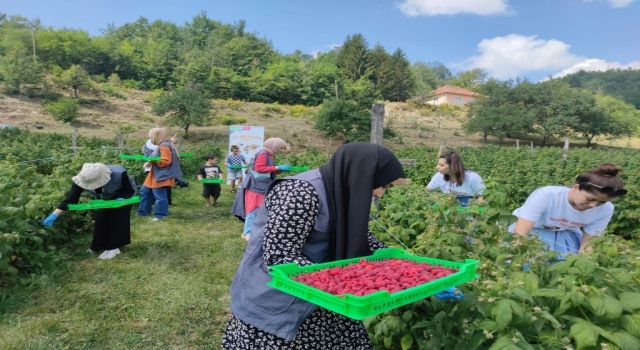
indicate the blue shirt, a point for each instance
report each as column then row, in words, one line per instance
column 471, row 186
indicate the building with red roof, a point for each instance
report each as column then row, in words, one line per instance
column 453, row 95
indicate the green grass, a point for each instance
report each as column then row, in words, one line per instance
column 169, row 289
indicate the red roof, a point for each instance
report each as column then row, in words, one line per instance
column 448, row 89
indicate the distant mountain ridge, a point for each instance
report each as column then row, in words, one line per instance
column 621, row 83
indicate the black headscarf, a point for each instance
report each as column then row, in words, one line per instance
column 350, row 177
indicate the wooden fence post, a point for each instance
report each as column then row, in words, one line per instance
column 565, row 149
column 377, row 123
column 517, row 144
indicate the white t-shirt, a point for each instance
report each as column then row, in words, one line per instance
column 471, row 186
column 549, row 208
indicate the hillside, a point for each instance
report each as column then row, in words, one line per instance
column 101, row 115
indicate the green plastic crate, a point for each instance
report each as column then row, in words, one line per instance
column 237, row 167
column 145, row 158
column 138, row 157
column 211, row 181
column 361, row 307
column 298, row 168
column 104, row 204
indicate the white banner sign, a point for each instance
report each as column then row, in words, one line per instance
column 248, row 138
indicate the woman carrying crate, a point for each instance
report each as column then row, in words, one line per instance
column 567, row 218
column 261, row 172
column 112, row 229
column 317, row 216
column 452, row 177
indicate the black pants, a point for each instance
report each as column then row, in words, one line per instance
column 112, row 228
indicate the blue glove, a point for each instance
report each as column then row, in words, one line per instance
column 48, row 221
column 449, row 294
column 284, row 167
column 119, row 199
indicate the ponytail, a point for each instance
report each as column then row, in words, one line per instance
column 604, row 179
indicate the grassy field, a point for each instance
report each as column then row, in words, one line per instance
column 167, row 290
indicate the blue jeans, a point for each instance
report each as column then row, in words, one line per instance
column 151, row 196
column 248, row 221
column 563, row 242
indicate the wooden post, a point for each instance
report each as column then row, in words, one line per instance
column 443, row 146
column 377, row 123
column 531, row 146
column 565, row 149
column 74, row 140
column 517, row 144
column 120, row 140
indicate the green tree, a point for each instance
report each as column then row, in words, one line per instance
column 496, row 113
column 400, row 83
column 17, row 66
column 625, row 118
column 184, row 108
column 65, row 109
column 321, row 79
column 345, row 119
column 471, row 79
column 429, row 76
column 74, row 78
column 378, row 67
column 353, row 57
column 282, row 81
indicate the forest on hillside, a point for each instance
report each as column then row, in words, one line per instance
column 185, row 66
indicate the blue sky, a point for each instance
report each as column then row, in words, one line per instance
column 507, row 38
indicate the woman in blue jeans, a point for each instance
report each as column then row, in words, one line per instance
column 567, row 218
column 162, row 176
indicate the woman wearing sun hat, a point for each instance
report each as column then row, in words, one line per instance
column 112, row 226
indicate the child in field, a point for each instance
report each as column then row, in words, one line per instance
column 234, row 162
column 210, row 170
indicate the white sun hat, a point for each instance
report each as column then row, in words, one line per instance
column 92, row 176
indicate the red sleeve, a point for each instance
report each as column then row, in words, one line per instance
column 261, row 164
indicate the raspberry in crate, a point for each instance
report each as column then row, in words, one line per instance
column 366, row 277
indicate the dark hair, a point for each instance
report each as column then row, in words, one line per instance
column 233, row 147
column 211, row 156
column 455, row 166
column 603, row 179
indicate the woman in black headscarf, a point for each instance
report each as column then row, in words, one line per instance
column 317, row 216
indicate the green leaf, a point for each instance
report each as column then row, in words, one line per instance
column 585, row 266
column 488, row 325
column 631, row 323
column 406, row 341
column 625, row 340
column 504, row 343
column 407, row 316
column 549, row 317
column 630, row 300
column 596, row 303
column 502, row 313
column 547, row 292
column 613, row 307
column 585, row 335
column 522, row 294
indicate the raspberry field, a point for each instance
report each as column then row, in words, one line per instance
column 169, row 289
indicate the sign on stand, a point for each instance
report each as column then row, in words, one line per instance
column 248, row 138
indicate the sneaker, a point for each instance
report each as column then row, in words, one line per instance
column 156, row 219
column 245, row 237
column 109, row 254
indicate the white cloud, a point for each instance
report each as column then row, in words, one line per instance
column 620, row 3
column 510, row 56
column 451, row 7
column 596, row 65
column 514, row 55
